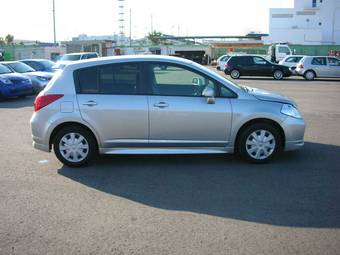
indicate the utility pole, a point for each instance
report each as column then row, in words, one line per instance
column 54, row 32
column 151, row 24
column 130, row 28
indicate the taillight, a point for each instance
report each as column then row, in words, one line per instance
column 45, row 100
column 300, row 66
column 226, row 66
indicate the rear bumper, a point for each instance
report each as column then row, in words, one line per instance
column 42, row 147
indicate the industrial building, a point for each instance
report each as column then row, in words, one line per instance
column 310, row 22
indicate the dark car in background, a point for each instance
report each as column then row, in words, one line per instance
column 39, row 79
column 14, row 84
column 41, row 65
column 254, row 66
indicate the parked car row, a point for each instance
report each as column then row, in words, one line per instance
column 310, row 67
column 30, row 76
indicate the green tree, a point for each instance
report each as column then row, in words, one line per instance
column 154, row 37
column 9, row 39
column 2, row 41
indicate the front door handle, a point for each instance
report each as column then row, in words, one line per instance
column 161, row 105
column 91, row 103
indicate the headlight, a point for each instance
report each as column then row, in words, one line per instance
column 290, row 110
column 42, row 78
column 6, row 81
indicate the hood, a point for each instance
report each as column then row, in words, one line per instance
column 14, row 77
column 270, row 96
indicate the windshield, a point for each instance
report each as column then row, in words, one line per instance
column 70, row 57
column 21, row 67
column 4, row 69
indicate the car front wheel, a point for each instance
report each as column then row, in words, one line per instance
column 74, row 146
column 259, row 143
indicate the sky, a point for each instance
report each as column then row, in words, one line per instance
column 32, row 19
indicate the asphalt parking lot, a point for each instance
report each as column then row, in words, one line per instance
column 202, row 204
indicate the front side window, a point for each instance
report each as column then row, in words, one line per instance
column 4, row 69
column 259, row 61
column 334, row 62
column 173, row 80
column 115, row 79
column 319, row 61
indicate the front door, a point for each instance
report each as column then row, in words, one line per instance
column 333, row 67
column 179, row 115
column 262, row 67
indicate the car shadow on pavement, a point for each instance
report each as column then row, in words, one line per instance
column 291, row 79
column 299, row 189
column 12, row 103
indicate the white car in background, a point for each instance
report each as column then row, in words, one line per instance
column 291, row 61
column 221, row 61
column 71, row 57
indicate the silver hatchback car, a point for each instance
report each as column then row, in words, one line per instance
column 159, row 105
column 318, row 67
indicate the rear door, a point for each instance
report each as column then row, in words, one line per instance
column 179, row 115
column 111, row 100
column 333, row 67
column 319, row 65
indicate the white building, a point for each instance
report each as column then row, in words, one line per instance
column 310, row 22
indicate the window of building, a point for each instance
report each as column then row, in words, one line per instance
column 314, row 3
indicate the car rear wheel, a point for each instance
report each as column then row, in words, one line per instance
column 278, row 75
column 74, row 146
column 235, row 74
column 259, row 143
column 309, row 75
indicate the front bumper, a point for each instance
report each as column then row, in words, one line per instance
column 294, row 130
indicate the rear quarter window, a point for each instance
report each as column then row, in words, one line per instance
column 114, row 79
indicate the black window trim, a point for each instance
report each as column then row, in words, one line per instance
column 140, row 86
column 219, row 84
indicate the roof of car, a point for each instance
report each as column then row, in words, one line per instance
column 128, row 58
column 81, row 53
column 34, row 59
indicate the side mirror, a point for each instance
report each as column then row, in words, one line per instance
column 209, row 93
column 196, row 81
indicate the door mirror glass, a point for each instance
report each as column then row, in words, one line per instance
column 197, row 81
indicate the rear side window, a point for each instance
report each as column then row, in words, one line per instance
column 245, row 61
column 115, row 79
column 319, row 61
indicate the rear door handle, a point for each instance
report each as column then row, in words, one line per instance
column 161, row 105
column 91, row 103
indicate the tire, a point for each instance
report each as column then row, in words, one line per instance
column 253, row 144
column 235, row 74
column 278, row 75
column 78, row 153
column 309, row 75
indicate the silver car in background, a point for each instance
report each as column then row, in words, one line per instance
column 159, row 105
column 311, row 67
